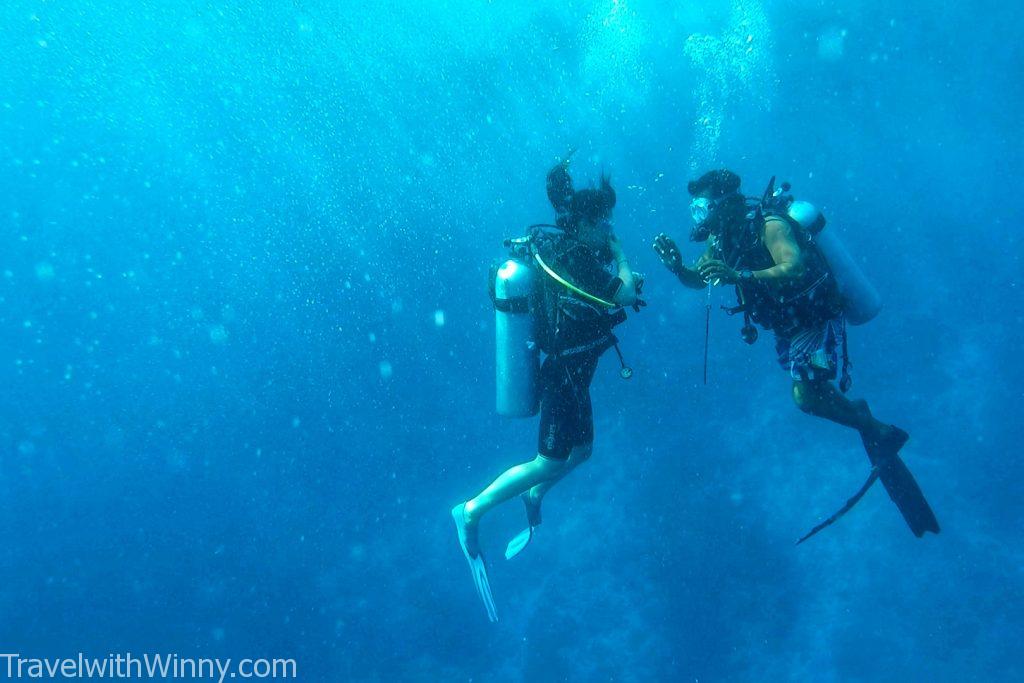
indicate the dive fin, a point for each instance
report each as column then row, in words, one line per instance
column 519, row 543
column 477, row 566
column 532, row 509
column 900, row 484
column 906, row 494
column 854, row 499
column 523, row 538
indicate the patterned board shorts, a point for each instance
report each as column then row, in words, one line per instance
column 812, row 352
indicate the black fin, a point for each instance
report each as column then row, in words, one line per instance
column 854, row 499
column 900, row 484
column 907, row 495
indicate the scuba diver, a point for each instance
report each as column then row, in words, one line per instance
column 561, row 291
column 796, row 279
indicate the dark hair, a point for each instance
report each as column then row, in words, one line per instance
column 720, row 183
column 733, row 208
column 593, row 205
column 559, row 186
column 571, row 205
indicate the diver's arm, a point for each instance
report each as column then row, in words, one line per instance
column 782, row 245
column 784, row 250
column 669, row 254
column 691, row 277
column 626, row 293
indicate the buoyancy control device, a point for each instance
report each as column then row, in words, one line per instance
column 517, row 292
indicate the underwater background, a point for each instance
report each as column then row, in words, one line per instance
column 246, row 346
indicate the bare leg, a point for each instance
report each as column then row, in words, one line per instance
column 823, row 399
column 532, row 499
column 577, row 457
column 511, row 483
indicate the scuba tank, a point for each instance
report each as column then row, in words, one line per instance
column 521, row 325
column 861, row 301
column 517, row 358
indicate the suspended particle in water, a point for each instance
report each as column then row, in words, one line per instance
column 44, row 271
column 218, row 334
column 385, row 370
column 439, row 318
column 175, row 460
column 830, row 44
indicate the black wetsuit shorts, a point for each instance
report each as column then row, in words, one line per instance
column 566, row 416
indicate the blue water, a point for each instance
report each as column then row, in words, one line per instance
column 246, row 343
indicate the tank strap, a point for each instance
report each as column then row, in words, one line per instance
column 517, row 304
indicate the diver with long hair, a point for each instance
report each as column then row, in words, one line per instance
column 585, row 281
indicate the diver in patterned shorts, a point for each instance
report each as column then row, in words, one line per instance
column 785, row 284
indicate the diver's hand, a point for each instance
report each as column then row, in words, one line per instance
column 718, row 272
column 668, row 252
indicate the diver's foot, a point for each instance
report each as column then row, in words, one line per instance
column 532, row 504
column 467, row 531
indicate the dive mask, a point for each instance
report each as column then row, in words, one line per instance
column 702, row 210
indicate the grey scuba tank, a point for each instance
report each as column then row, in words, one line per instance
column 861, row 301
column 517, row 352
